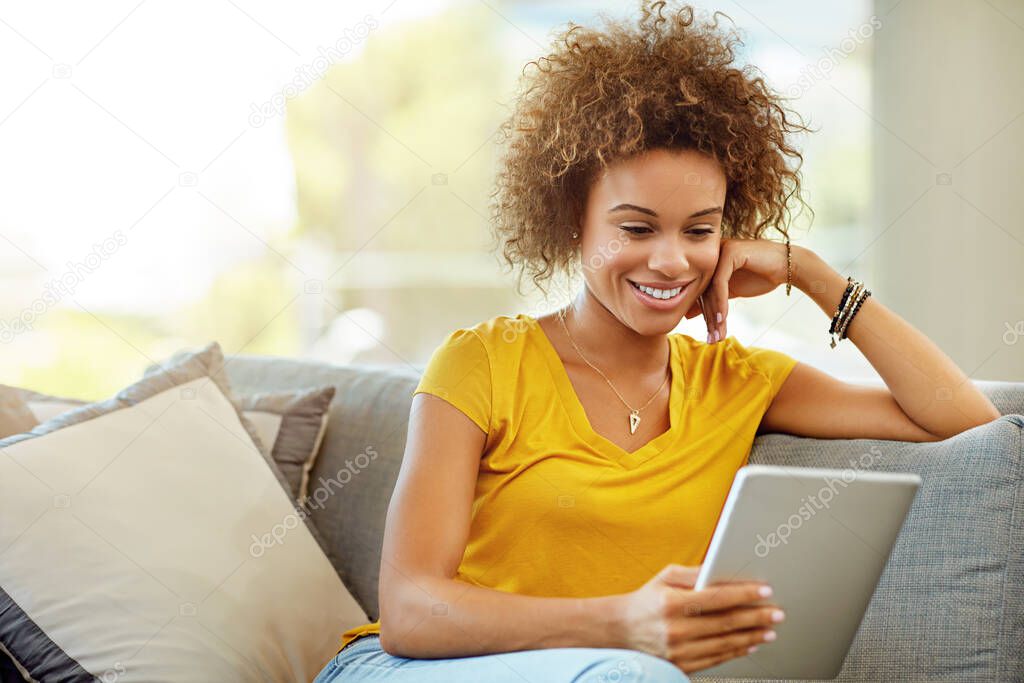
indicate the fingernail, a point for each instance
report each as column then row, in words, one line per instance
column 752, row 649
column 765, row 591
column 778, row 615
column 717, row 335
column 718, row 316
column 709, row 337
column 770, row 636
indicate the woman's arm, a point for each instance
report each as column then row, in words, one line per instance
column 928, row 397
column 443, row 618
column 425, row 613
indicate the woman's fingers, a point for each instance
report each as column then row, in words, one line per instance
column 719, row 598
column 720, row 294
column 705, row 309
column 727, row 633
column 712, row 314
column 740, row 619
column 718, row 645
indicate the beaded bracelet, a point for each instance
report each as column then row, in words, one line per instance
column 858, row 289
column 850, row 303
column 844, row 316
column 842, row 304
column 856, row 308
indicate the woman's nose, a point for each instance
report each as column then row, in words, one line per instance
column 668, row 256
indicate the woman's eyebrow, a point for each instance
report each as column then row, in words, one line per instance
column 650, row 212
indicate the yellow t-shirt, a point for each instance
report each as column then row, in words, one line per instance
column 559, row 510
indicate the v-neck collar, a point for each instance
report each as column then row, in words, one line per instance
column 578, row 415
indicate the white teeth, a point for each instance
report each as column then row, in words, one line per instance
column 659, row 293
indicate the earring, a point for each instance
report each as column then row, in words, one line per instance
column 575, row 235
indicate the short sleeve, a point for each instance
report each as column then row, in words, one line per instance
column 775, row 366
column 459, row 371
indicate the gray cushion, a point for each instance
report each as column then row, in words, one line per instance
column 950, row 604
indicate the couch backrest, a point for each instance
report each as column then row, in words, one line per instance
column 949, row 571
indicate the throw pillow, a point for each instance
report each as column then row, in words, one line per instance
column 290, row 423
column 149, row 536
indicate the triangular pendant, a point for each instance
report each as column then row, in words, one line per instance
column 634, row 421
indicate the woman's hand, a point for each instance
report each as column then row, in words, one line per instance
column 694, row 629
column 745, row 268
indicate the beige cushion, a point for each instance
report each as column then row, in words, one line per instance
column 290, row 423
column 147, row 535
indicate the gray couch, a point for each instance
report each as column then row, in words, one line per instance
column 950, row 605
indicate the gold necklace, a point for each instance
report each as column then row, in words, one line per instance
column 634, row 413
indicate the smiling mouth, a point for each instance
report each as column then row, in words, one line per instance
column 659, row 294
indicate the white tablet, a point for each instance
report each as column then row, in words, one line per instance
column 821, row 538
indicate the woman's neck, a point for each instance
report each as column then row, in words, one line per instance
column 610, row 344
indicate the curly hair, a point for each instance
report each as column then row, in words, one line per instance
column 603, row 96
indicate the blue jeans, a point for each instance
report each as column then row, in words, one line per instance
column 364, row 660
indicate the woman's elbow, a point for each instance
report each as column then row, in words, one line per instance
column 398, row 622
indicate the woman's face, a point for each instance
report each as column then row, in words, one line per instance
column 653, row 220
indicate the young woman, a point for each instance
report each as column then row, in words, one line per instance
column 563, row 475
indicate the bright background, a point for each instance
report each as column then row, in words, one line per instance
column 310, row 179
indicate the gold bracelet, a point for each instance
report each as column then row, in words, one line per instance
column 789, row 267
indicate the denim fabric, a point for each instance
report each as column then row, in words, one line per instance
column 364, row 660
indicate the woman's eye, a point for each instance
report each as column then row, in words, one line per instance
column 641, row 229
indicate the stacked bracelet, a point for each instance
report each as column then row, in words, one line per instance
column 850, row 303
column 842, row 305
column 845, row 318
column 856, row 307
column 853, row 289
